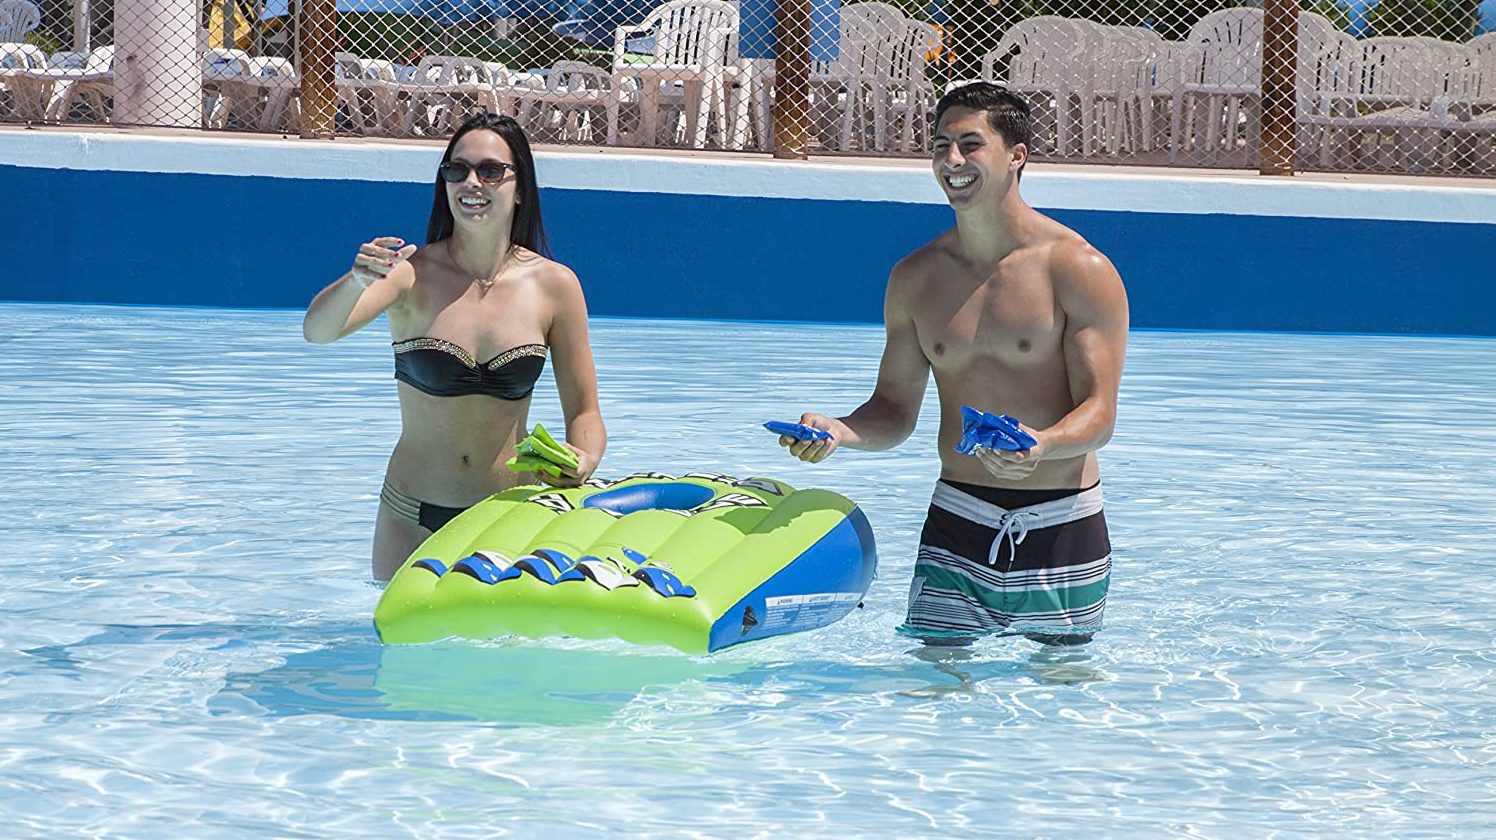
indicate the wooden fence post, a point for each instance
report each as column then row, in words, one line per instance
column 792, row 79
column 1280, row 48
column 316, row 42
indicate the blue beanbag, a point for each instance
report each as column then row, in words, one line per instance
column 797, row 431
column 994, row 431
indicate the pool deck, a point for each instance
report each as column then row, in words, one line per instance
column 898, row 163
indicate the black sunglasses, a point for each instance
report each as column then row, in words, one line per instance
column 489, row 172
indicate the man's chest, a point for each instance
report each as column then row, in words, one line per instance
column 1011, row 321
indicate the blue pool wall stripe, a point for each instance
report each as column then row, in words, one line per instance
column 244, row 222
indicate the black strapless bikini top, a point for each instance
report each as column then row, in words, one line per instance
column 442, row 369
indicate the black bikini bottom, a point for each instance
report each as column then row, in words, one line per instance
column 425, row 514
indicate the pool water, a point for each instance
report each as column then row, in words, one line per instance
column 1299, row 633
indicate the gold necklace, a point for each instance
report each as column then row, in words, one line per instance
column 486, row 283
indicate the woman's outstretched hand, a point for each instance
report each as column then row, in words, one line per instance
column 377, row 258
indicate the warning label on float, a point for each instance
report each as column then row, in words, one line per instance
column 810, row 610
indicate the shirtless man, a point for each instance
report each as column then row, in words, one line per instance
column 1016, row 314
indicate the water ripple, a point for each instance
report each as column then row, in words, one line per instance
column 1298, row 638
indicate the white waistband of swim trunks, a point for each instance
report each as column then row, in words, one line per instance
column 1043, row 515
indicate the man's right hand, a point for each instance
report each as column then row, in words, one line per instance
column 378, row 258
column 815, row 451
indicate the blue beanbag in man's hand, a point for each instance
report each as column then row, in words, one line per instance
column 994, row 431
column 797, row 430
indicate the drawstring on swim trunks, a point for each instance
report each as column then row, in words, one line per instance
column 1014, row 526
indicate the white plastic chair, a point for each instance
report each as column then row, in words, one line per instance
column 1119, row 96
column 1407, row 71
column 13, row 59
column 1323, row 56
column 220, row 64
column 1404, row 89
column 1219, row 91
column 912, row 96
column 68, row 60
column 1152, row 88
column 17, row 17
column 262, row 95
column 1331, row 77
column 444, row 87
column 865, row 30
column 1472, row 145
column 1480, row 79
column 687, row 43
column 880, row 19
column 575, row 98
column 1048, row 65
column 893, row 90
column 279, row 88
column 49, row 93
column 508, row 85
column 366, row 92
column 24, row 56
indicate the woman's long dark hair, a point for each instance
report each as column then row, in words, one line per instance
column 527, row 231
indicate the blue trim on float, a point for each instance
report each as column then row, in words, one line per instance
column 483, row 569
column 549, row 566
column 842, row 562
column 665, row 582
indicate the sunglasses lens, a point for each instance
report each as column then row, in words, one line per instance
column 453, row 172
column 491, row 172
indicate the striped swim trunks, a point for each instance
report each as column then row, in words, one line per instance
column 1025, row 561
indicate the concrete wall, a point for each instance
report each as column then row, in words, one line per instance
column 223, row 221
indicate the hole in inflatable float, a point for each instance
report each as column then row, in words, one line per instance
column 673, row 495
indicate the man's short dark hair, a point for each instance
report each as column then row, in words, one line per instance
column 1007, row 113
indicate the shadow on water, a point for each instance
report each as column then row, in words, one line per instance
column 520, row 682
column 507, row 683
column 351, row 674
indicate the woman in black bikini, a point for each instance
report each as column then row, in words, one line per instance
column 473, row 315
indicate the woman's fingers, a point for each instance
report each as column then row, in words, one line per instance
column 562, row 480
column 389, row 248
column 377, row 263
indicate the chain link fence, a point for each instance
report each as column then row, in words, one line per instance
column 1406, row 86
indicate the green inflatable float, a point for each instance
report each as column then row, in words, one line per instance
column 698, row 562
